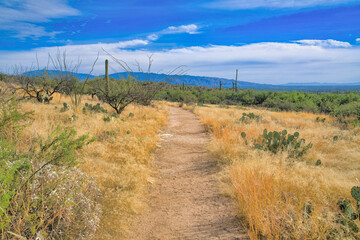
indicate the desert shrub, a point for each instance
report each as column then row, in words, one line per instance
column 42, row 194
column 11, row 120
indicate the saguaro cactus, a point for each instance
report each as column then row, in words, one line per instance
column 107, row 75
column 236, row 80
column 220, row 85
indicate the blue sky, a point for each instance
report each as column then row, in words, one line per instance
column 269, row 41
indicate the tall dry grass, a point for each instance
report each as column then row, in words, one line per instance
column 119, row 161
column 273, row 191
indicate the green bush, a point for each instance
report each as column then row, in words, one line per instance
column 344, row 106
column 42, row 194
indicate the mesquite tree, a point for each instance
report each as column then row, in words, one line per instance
column 40, row 85
column 119, row 94
column 145, row 83
column 43, row 83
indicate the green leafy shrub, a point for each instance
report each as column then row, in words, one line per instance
column 281, row 141
column 42, row 194
column 11, row 120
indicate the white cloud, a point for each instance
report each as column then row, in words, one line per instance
column 190, row 29
column 252, row 4
column 153, row 37
column 358, row 39
column 268, row 62
column 329, row 43
column 24, row 16
column 80, row 50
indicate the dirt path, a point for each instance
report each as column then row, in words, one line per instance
column 185, row 200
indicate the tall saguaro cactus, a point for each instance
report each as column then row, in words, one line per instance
column 107, row 75
column 220, row 85
column 236, row 80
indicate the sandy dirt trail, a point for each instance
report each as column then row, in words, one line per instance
column 185, row 200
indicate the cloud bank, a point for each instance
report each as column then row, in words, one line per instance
column 275, row 4
column 329, row 43
column 267, row 62
column 23, row 17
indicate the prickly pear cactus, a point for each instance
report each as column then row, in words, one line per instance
column 247, row 118
column 355, row 193
column 265, row 133
column 243, row 135
column 347, row 209
column 282, row 141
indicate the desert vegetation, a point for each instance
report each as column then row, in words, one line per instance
column 62, row 183
column 76, row 155
column 292, row 174
column 344, row 106
column 72, row 167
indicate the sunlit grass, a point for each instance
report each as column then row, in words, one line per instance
column 119, row 161
column 271, row 190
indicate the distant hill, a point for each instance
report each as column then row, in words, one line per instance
column 226, row 83
column 322, row 84
column 196, row 80
column 54, row 73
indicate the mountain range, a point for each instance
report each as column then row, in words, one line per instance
column 215, row 82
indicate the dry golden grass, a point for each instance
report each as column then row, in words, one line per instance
column 119, row 160
column 271, row 190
